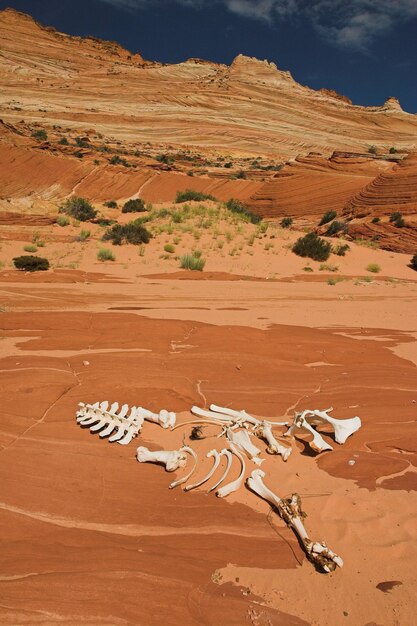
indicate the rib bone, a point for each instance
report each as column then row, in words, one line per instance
column 290, row 511
column 242, row 441
column 342, row 428
column 216, row 456
column 225, row 491
column 264, row 431
column 229, row 458
column 180, row 481
column 172, row 459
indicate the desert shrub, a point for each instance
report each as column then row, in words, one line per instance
column 62, row 220
column 235, row 206
column 117, row 160
column 286, row 222
column 190, row 194
column 372, row 150
column 397, row 219
column 392, row 150
column 241, row 174
column 168, row 247
column 375, row 220
column 374, row 268
column 327, row 217
column 228, row 165
column 104, row 254
column 190, row 173
column 165, row 158
column 79, row 208
column 30, row 248
column 111, row 204
column 413, row 262
column 191, row 262
column 341, row 249
column 307, row 268
column 135, row 205
column 81, row 143
column 127, row 233
column 63, row 141
column 40, row 135
column 83, row 235
column 328, row 267
column 336, row 227
column 31, row 263
column 312, row 246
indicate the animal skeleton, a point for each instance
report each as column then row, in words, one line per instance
column 123, row 424
column 290, row 511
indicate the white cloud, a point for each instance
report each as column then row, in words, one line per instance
column 345, row 23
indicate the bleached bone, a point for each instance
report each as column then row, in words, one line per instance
column 229, row 459
column 226, row 490
column 216, row 456
column 264, row 431
column 211, row 415
column 164, row 418
column 172, row 459
column 342, row 428
column 180, row 481
column 290, row 511
column 318, row 444
column 242, row 415
column 242, row 441
column 98, row 417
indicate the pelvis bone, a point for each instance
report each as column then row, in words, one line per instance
column 241, row 440
column 318, row 444
column 342, row 428
column 290, row 511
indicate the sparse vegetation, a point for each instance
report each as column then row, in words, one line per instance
column 336, row 227
column 83, row 235
column 31, row 263
column 392, row 150
column 105, row 254
column 63, row 141
column 30, row 248
column 168, row 247
column 191, row 262
column 307, row 268
column 40, row 135
column 397, row 219
column 81, row 143
column 133, row 232
column 374, row 268
column 341, row 249
column 413, row 262
column 375, row 220
column 328, row 267
column 237, row 207
column 117, row 160
column 135, row 205
column 373, row 150
column 165, row 158
column 79, row 208
column 62, row 220
column 189, row 195
column 312, row 246
column 111, row 204
column 286, row 222
column 327, row 217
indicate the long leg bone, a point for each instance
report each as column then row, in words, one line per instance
column 242, row 441
column 211, row 415
column 242, row 415
column 172, row 459
column 164, row 418
column 180, row 481
column 226, row 490
column 264, row 431
column 216, row 456
column 229, row 459
column 290, row 511
column 342, row 428
column 318, row 444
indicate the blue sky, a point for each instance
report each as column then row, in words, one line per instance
column 365, row 49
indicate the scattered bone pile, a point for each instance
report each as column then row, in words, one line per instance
column 239, row 429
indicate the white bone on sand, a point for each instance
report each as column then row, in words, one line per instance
column 216, row 457
column 264, row 431
column 172, row 459
column 226, row 490
column 342, row 428
column 318, row 444
column 211, row 415
column 290, row 511
column 180, row 481
column 164, row 418
column 229, row 459
column 241, row 440
column 242, row 415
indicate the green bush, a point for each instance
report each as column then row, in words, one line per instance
column 336, row 227
column 104, row 254
column 392, row 150
column 31, row 263
column 190, row 194
column 127, row 233
column 111, row 204
column 81, row 143
column 327, row 217
column 79, row 208
column 312, row 246
column 165, row 158
column 62, row 220
column 116, row 160
column 63, row 141
column 397, row 219
column 40, row 135
column 413, row 262
column 235, row 206
column 83, row 235
column 168, row 247
column 286, row 222
column 375, row 220
column 372, row 150
column 374, row 268
column 136, row 205
column 30, row 248
column 341, row 249
column 191, row 262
